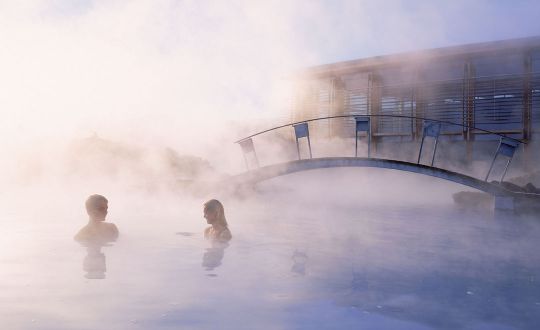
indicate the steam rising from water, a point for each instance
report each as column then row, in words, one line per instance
column 185, row 74
column 325, row 248
column 134, row 100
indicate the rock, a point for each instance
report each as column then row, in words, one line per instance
column 473, row 199
column 512, row 187
column 530, row 188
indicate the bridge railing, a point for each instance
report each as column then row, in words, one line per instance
column 431, row 129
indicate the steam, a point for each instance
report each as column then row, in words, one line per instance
column 176, row 75
column 135, row 100
column 188, row 76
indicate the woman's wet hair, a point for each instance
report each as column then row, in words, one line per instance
column 215, row 205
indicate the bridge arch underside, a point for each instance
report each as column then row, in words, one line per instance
column 272, row 171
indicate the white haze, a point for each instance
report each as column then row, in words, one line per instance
column 138, row 77
column 191, row 75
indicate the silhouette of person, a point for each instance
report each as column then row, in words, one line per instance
column 218, row 234
column 214, row 213
column 95, row 235
column 97, row 230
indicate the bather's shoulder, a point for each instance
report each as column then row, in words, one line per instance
column 85, row 233
column 103, row 232
column 208, row 232
column 225, row 235
column 112, row 230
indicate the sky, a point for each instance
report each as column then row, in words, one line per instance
column 188, row 74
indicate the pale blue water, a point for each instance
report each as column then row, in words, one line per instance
column 298, row 260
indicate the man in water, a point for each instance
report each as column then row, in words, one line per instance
column 97, row 230
column 214, row 214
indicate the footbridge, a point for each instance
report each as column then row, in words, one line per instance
column 505, row 193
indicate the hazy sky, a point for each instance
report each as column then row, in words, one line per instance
column 343, row 30
column 171, row 71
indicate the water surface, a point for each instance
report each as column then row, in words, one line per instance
column 302, row 257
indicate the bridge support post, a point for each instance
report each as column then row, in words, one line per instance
column 302, row 130
column 432, row 129
column 504, row 203
column 362, row 125
column 506, row 148
column 247, row 148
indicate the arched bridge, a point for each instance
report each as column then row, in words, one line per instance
column 431, row 129
column 272, row 171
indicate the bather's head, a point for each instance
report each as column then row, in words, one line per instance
column 214, row 213
column 96, row 207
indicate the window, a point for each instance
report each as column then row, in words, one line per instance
column 501, row 64
column 442, row 71
column 535, row 86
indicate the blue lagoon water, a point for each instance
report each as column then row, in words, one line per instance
column 307, row 253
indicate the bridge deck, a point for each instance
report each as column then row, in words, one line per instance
column 271, row 171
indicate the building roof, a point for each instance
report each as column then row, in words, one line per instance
column 409, row 58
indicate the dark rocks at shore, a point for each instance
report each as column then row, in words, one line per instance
column 528, row 188
column 529, row 178
column 481, row 200
column 473, row 200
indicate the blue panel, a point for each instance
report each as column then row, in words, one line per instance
column 507, row 147
column 507, row 150
column 432, row 129
column 247, row 146
column 362, row 124
column 301, row 130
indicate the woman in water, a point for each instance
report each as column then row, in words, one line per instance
column 214, row 214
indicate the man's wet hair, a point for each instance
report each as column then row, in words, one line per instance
column 93, row 201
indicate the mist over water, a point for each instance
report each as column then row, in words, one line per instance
column 328, row 248
column 141, row 101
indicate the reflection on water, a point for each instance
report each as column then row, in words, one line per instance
column 94, row 263
column 370, row 266
column 449, row 276
column 213, row 256
column 299, row 262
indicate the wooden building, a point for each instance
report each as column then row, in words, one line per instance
column 492, row 86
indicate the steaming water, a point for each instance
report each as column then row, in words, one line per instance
column 322, row 255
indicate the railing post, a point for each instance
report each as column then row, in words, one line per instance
column 362, row 125
column 431, row 129
column 248, row 147
column 302, row 130
column 506, row 148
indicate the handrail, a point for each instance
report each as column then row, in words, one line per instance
column 391, row 116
